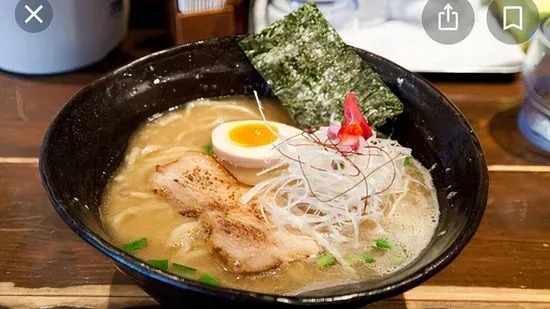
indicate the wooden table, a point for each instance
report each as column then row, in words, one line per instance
column 44, row 264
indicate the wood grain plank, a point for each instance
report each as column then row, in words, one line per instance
column 492, row 109
column 118, row 296
column 38, row 249
column 520, row 168
column 512, row 245
column 480, row 92
column 511, row 248
column 420, row 293
column 81, row 302
column 454, row 305
column 138, row 303
column 496, row 126
column 19, row 160
column 476, row 294
column 27, row 105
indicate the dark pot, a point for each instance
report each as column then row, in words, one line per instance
column 86, row 142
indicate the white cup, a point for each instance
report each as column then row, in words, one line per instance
column 81, row 32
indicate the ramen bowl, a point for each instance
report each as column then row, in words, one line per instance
column 86, row 143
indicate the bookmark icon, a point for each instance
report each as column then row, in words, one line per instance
column 512, row 17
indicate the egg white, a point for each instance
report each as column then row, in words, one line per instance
column 248, row 157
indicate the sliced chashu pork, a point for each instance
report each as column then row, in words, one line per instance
column 198, row 186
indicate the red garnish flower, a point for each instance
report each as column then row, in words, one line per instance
column 356, row 129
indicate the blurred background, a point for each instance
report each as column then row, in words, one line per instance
column 85, row 31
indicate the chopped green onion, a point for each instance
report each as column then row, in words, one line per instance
column 408, row 161
column 207, row 149
column 367, row 259
column 162, row 264
column 362, row 257
column 382, row 244
column 183, row 270
column 135, row 245
column 209, row 280
column 326, row 260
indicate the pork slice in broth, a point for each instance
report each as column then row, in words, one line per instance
column 198, row 186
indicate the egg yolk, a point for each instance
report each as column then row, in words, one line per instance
column 252, row 135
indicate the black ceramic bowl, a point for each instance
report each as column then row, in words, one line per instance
column 86, row 142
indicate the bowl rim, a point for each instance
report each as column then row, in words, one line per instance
column 137, row 265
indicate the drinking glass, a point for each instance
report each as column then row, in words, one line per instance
column 534, row 116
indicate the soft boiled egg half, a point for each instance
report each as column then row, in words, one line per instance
column 249, row 143
column 244, row 147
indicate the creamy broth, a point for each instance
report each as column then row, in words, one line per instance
column 132, row 211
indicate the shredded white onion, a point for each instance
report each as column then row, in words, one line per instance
column 326, row 193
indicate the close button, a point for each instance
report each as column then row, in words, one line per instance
column 33, row 16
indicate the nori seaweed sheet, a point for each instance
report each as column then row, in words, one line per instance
column 310, row 69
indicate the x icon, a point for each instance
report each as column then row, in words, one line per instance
column 34, row 14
